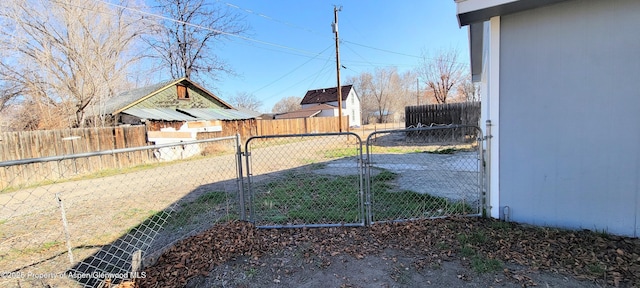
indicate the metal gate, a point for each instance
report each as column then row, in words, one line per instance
column 426, row 172
column 324, row 180
column 310, row 180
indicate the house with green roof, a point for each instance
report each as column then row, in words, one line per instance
column 175, row 100
column 172, row 111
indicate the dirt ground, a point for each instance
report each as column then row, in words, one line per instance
column 462, row 252
column 390, row 268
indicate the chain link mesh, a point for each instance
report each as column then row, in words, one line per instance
column 76, row 220
column 71, row 222
column 424, row 173
column 312, row 180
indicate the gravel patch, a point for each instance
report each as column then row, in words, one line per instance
column 453, row 176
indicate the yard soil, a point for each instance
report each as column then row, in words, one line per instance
column 455, row 252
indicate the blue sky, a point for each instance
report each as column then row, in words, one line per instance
column 304, row 57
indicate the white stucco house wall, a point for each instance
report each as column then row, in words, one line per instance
column 559, row 87
column 329, row 96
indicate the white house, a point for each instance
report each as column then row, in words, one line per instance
column 329, row 96
column 559, row 86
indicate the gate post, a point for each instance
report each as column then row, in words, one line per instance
column 367, row 187
column 243, row 215
column 487, row 171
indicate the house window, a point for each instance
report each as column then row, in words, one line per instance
column 183, row 93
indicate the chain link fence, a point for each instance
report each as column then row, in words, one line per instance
column 78, row 224
column 423, row 173
column 312, row 180
column 81, row 221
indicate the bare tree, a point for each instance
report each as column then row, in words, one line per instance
column 287, row 104
column 186, row 44
column 8, row 94
column 468, row 90
column 384, row 92
column 407, row 92
column 441, row 73
column 381, row 89
column 363, row 83
column 64, row 56
column 246, row 100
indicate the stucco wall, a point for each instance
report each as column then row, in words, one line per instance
column 570, row 115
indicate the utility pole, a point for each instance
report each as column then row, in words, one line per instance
column 335, row 30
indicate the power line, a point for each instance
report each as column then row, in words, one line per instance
column 383, row 50
column 308, row 53
column 321, row 72
column 288, row 73
column 280, row 51
column 312, row 31
column 270, row 18
column 304, row 54
column 321, row 69
column 348, row 47
column 388, row 51
column 208, row 28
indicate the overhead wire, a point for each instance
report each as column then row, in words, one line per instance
column 208, row 28
column 288, row 73
column 287, row 49
column 383, row 50
column 270, row 18
column 358, row 54
column 321, row 72
column 302, row 52
column 321, row 69
column 312, row 31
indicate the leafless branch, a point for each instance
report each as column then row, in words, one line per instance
column 67, row 54
column 287, row 104
column 441, row 73
column 187, row 44
column 246, row 100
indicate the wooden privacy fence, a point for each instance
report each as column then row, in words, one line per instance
column 253, row 127
column 44, row 143
column 300, row 125
column 465, row 113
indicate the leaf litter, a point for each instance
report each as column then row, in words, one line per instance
column 597, row 257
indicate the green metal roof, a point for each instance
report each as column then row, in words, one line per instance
column 167, row 114
column 217, row 114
